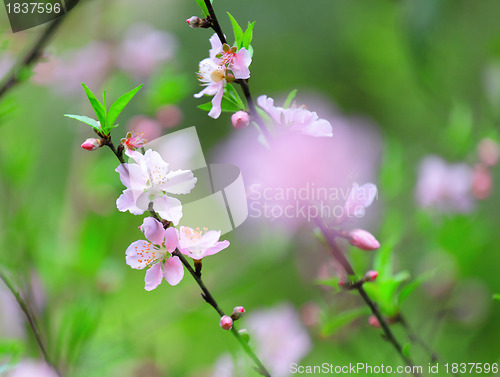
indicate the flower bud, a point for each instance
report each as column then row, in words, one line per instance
column 371, row 275
column 194, row 22
column 226, row 322
column 244, row 335
column 91, row 144
column 240, row 120
column 238, row 312
column 373, row 321
column 363, row 240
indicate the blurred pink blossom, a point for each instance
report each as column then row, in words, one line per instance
column 446, row 187
column 33, row 368
column 280, row 337
column 298, row 178
column 169, row 116
column 90, row 64
column 144, row 49
column 149, row 128
column 488, row 151
column 482, row 182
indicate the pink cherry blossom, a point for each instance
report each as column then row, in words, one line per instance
column 156, row 254
column 133, row 141
column 149, row 180
column 32, row 368
column 295, row 119
column 199, row 243
column 360, row 197
column 238, row 62
column 213, row 78
column 213, row 71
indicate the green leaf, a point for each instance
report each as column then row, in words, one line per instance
column 98, row 107
column 232, row 95
column 118, row 106
column 246, row 39
column 289, row 99
column 410, row 287
column 203, row 6
column 226, row 106
column 91, row 122
column 406, row 350
column 238, row 32
column 104, row 99
column 343, row 319
column 496, row 296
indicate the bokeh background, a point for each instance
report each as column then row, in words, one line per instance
column 413, row 78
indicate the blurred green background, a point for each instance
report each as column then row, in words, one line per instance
column 426, row 72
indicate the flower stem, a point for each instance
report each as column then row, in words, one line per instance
column 31, row 321
column 32, row 55
column 242, row 82
column 207, row 296
column 339, row 256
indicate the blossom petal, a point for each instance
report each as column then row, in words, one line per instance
column 128, row 202
column 180, row 182
column 168, row 208
column 173, row 270
column 140, row 254
column 267, row 104
column 216, row 46
column 241, row 62
column 153, row 277
column 359, row 198
column 317, row 128
column 152, row 163
column 216, row 110
column 131, row 175
column 153, row 230
column 216, row 248
column 171, row 239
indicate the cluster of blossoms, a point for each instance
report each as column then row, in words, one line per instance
column 148, row 182
column 224, row 65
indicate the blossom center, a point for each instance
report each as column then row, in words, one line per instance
column 194, row 235
column 217, row 75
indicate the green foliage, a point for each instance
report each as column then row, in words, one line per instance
column 496, row 296
column 289, row 99
column 106, row 118
column 203, row 6
column 242, row 39
column 117, row 107
column 339, row 320
column 231, row 101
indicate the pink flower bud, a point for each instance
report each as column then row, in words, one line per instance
column 371, row 275
column 373, row 321
column 488, row 152
column 226, row 322
column 341, row 283
column 92, row 144
column 238, row 312
column 240, row 120
column 194, row 22
column 363, row 240
column 482, row 182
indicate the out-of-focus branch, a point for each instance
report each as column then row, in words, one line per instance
column 31, row 56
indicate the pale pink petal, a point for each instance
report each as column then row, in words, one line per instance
column 153, row 230
column 241, row 62
column 153, row 277
column 216, row 46
column 152, row 162
column 128, row 202
column 135, row 155
column 267, row 104
column 317, row 128
column 140, row 254
column 171, row 239
column 168, row 208
column 210, row 90
column 216, row 101
column 131, row 175
column 180, row 182
column 359, row 198
column 173, row 270
column 216, row 248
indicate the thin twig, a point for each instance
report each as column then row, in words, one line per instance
column 242, row 82
column 340, row 257
column 31, row 56
column 31, row 321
